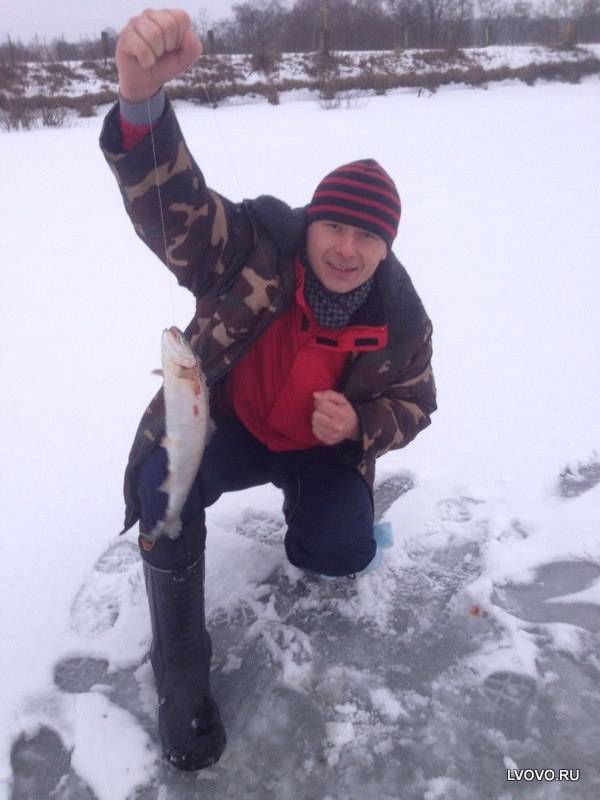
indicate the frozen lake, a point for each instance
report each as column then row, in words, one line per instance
column 472, row 654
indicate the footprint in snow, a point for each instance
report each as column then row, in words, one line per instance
column 261, row 526
column 453, row 509
column 41, row 766
column 575, row 480
column 118, row 558
column 508, row 701
column 114, row 581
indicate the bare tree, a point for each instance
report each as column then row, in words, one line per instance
column 408, row 17
column 519, row 21
column 303, row 26
column 258, row 24
column 490, row 11
column 202, row 22
column 460, row 19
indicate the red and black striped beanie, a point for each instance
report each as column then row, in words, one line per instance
column 361, row 194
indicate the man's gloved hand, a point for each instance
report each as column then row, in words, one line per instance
column 334, row 418
column 152, row 49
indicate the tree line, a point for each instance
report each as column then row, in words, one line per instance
column 312, row 25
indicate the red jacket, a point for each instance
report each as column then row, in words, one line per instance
column 271, row 388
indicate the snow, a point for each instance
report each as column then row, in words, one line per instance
column 500, row 234
column 102, row 727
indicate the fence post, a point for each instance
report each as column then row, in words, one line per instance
column 105, row 48
column 570, row 34
column 326, row 41
column 451, row 40
column 11, row 52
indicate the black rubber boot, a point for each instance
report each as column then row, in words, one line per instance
column 191, row 732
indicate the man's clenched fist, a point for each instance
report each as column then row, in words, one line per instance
column 334, row 418
column 152, row 49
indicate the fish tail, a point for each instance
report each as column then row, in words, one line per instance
column 165, row 527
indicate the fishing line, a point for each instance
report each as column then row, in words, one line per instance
column 226, row 150
column 160, row 206
column 230, row 162
column 157, row 178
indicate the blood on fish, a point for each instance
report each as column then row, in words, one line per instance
column 196, row 410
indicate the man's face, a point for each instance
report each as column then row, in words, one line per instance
column 342, row 256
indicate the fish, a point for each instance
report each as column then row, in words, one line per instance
column 187, row 425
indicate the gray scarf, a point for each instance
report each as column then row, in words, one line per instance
column 333, row 309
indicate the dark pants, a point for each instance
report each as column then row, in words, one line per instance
column 327, row 505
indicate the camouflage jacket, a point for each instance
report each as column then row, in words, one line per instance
column 238, row 261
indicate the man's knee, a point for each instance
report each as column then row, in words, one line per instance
column 331, row 552
column 329, row 512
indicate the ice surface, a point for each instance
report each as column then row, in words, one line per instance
column 475, row 646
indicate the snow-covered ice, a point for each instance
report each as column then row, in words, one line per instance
column 474, row 649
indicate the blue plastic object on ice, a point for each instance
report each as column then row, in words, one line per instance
column 384, row 537
column 383, row 533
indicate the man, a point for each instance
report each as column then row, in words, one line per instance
column 314, row 343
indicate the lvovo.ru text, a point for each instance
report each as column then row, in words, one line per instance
column 542, row 774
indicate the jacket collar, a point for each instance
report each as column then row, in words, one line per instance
column 357, row 336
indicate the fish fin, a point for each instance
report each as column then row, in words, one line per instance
column 173, row 530
column 170, row 528
column 158, row 372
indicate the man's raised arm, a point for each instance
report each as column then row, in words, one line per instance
column 196, row 232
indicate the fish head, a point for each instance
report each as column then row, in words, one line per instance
column 176, row 351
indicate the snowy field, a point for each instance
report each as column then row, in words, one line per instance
column 473, row 653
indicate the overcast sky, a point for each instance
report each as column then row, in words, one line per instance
column 22, row 19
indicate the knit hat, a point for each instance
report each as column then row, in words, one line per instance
column 361, row 194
